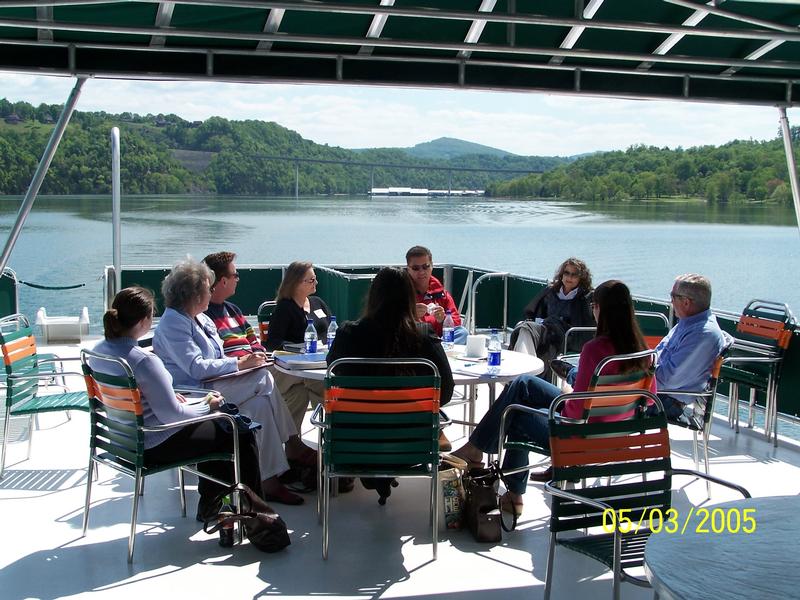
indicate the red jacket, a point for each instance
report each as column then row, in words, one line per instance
column 438, row 295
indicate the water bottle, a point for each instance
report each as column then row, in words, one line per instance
column 493, row 360
column 310, row 337
column 331, row 332
column 447, row 331
column 226, row 531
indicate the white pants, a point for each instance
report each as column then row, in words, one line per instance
column 257, row 397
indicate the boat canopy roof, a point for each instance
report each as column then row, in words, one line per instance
column 738, row 51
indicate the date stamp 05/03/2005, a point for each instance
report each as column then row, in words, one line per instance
column 695, row 520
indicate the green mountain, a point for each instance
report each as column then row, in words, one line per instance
column 448, row 148
column 167, row 154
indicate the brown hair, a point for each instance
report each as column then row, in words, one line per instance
column 584, row 274
column 415, row 251
column 130, row 306
column 391, row 302
column 294, row 275
column 218, row 262
column 617, row 321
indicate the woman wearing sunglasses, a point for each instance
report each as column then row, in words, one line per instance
column 565, row 303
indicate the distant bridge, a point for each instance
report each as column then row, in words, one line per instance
column 373, row 165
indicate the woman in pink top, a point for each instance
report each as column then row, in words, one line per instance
column 617, row 333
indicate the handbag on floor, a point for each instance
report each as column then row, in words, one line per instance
column 262, row 525
column 451, row 471
column 480, row 507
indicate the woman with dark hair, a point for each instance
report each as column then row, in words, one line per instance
column 563, row 304
column 389, row 329
column 617, row 333
column 130, row 317
column 296, row 305
column 186, row 339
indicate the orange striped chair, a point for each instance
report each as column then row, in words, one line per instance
column 117, row 434
column 25, row 370
column 265, row 311
column 376, row 424
column 764, row 333
column 633, row 457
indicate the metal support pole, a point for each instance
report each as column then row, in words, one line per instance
column 790, row 162
column 449, row 183
column 41, row 171
column 296, row 181
column 116, row 209
column 371, row 179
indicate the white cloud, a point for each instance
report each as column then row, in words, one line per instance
column 359, row 117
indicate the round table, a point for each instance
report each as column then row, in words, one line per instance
column 698, row 565
column 466, row 371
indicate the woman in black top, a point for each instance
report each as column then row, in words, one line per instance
column 389, row 329
column 565, row 303
column 288, row 324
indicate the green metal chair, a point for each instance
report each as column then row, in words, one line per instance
column 764, row 332
column 703, row 411
column 25, row 371
column 381, row 425
column 116, row 437
column 633, row 455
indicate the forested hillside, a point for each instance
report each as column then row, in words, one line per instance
column 167, row 154
column 739, row 170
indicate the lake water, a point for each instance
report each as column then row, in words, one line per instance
column 747, row 251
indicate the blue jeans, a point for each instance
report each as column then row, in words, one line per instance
column 460, row 335
column 673, row 408
column 527, row 390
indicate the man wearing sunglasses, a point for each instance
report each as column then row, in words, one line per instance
column 432, row 299
column 238, row 336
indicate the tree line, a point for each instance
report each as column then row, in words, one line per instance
column 736, row 171
column 235, row 158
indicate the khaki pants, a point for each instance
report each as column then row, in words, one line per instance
column 298, row 393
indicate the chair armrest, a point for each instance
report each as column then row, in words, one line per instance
column 48, row 376
column 316, row 417
column 711, row 478
column 201, row 418
column 553, row 490
column 750, row 359
column 58, row 359
column 572, row 330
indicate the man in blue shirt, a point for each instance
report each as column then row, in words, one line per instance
column 687, row 352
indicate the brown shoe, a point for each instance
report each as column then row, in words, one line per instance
column 542, row 476
column 444, row 443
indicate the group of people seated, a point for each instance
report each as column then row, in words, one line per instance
column 203, row 340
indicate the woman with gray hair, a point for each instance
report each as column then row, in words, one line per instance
column 186, row 340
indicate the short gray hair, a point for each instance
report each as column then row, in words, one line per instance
column 695, row 287
column 184, row 284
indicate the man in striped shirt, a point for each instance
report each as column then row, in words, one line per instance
column 237, row 334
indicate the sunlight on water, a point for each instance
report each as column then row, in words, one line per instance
column 68, row 241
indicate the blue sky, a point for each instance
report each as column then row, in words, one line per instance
column 361, row 117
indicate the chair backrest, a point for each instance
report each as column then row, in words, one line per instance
column 633, row 453
column 116, row 409
column 620, row 406
column 381, row 420
column 654, row 326
column 766, row 322
column 265, row 311
column 19, row 358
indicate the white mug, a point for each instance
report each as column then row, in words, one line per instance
column 476, row 346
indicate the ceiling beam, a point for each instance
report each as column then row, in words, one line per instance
column 272, row 25
column 476, row 27
column 375, row 28
column 576, row 31
column 163, row 19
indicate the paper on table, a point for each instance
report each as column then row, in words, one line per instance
column 234, row 373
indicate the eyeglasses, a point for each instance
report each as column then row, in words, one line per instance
column 234, row 275
column 424, row 267
column 674, row 295
column 572, row 274
column 311, row 280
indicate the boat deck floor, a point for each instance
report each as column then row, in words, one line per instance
column 376, row 551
